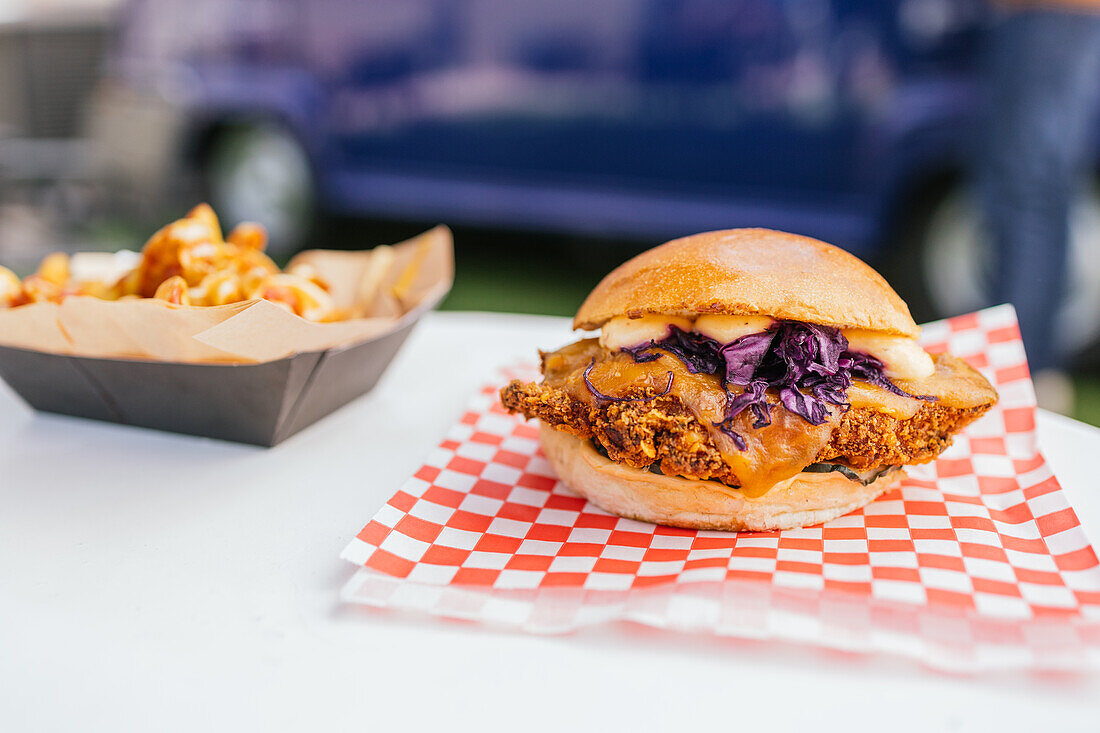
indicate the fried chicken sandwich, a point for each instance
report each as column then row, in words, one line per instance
column 745, row 380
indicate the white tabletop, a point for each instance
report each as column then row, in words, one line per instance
column 156, row 582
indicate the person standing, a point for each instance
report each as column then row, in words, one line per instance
column 1042, row 84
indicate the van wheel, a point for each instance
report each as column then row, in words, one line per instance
column 261, row 172
column 945, row 266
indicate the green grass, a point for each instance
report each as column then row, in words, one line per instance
column 1087, row 398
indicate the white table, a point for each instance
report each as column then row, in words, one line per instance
column 156, row 582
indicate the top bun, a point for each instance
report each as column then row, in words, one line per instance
column 749, row 272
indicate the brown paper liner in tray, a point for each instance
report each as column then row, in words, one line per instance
column 248, row 372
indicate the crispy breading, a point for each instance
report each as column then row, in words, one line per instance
column 663, row 431
column 865, row 438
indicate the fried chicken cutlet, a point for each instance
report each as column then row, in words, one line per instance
column 744, row 380
column 661, row 431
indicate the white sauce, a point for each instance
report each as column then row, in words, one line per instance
column 105, row 267
column 902, row 357
column 621, row 332
column 727, row 329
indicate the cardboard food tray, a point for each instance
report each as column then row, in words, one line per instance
column 262, row 402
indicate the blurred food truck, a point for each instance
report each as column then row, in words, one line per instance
column 847, row 120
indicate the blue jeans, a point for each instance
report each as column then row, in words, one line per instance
column 1042, row 82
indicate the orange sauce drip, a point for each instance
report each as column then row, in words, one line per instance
column 773, row 454
column 776, row 452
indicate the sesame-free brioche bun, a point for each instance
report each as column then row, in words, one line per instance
column 801, row 501
column 749, row 272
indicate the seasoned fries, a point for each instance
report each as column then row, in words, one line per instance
column 189, row 263
column 174, row 290
column 10, row 288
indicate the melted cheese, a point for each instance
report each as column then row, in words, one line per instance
column 622, row 332
column 902, row 357
column 955, row 384
column 861, row 394
column 773, row 453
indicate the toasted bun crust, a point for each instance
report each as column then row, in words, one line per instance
column 750, row 272
column 802, row 501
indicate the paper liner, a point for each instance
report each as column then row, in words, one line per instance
column 253, row 331
column 976, row 562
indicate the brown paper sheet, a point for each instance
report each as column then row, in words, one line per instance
column 416, row 272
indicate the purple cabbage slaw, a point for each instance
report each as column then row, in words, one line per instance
column 809, row 366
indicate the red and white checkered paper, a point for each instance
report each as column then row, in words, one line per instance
column 976, row 562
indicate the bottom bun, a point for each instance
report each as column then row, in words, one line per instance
column 800, row 501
